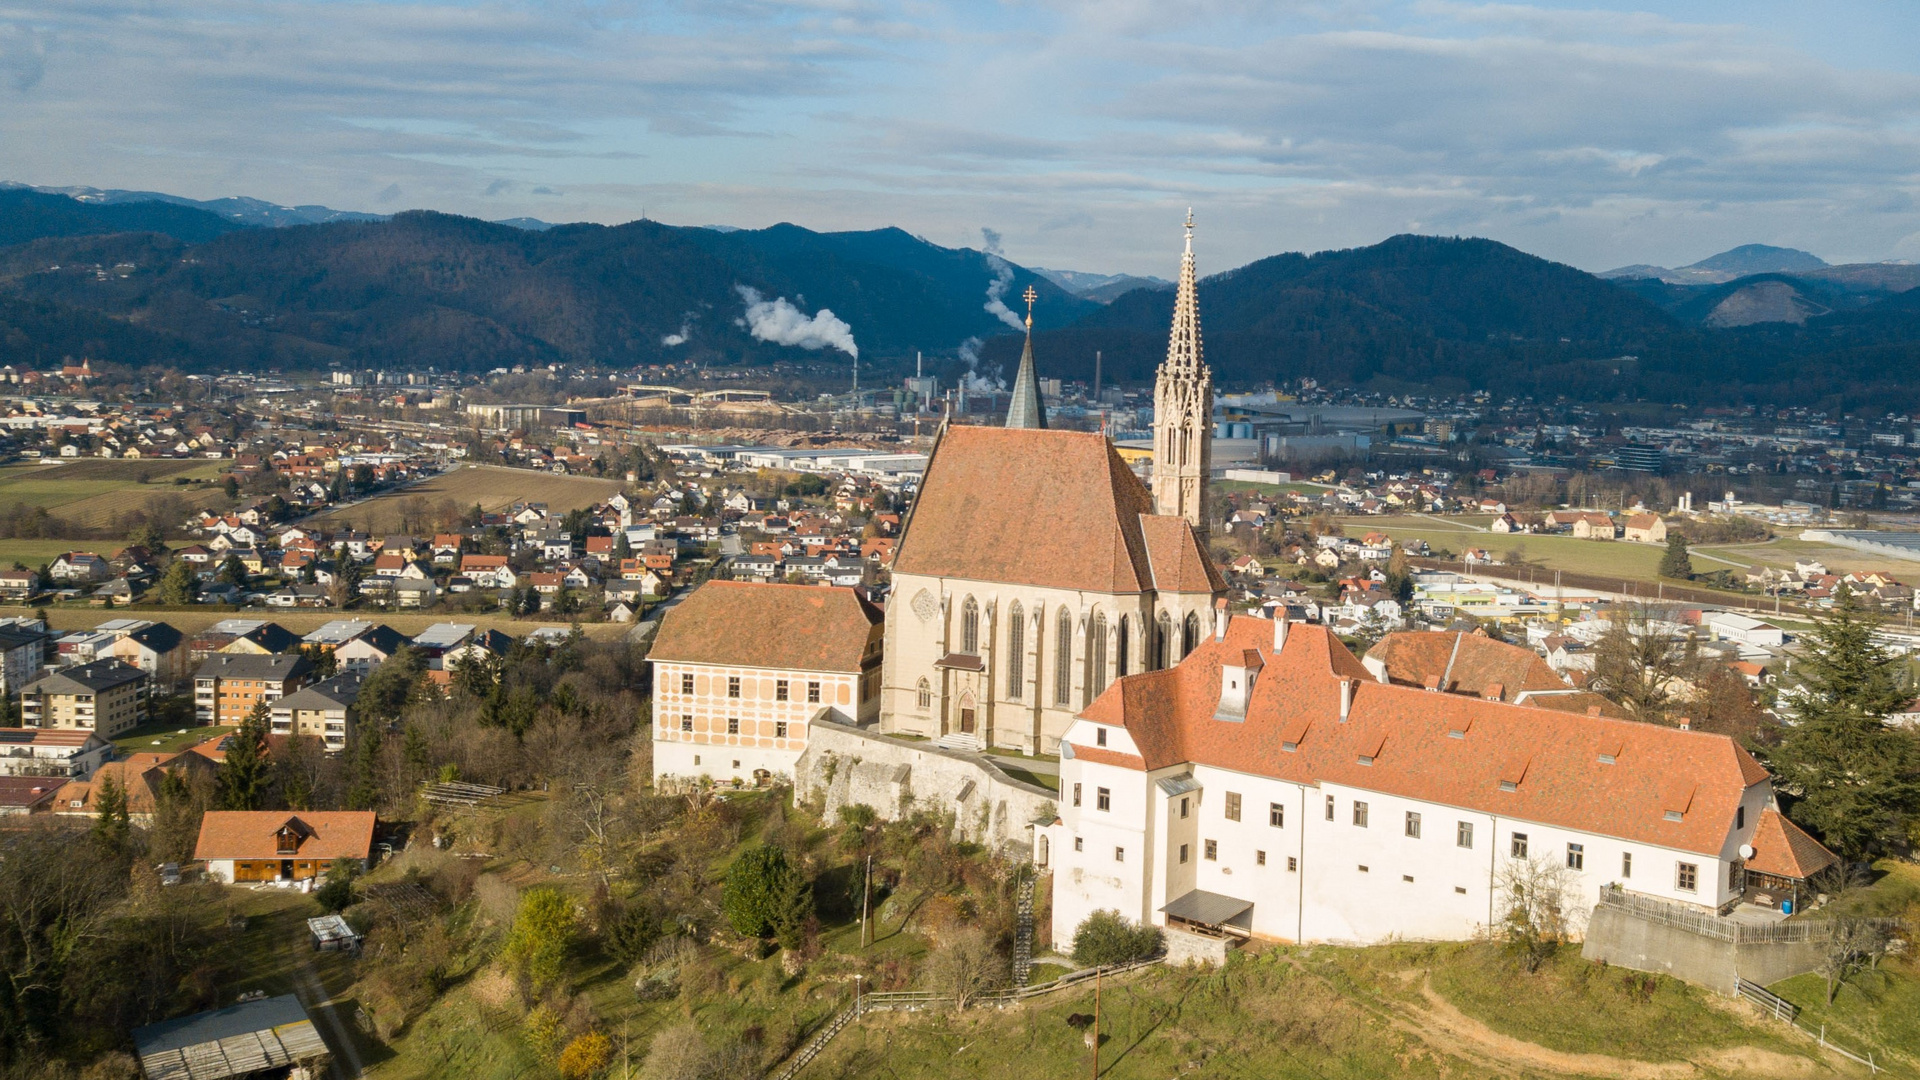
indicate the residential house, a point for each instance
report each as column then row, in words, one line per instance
column 280, row 845
column 76, row 567
column 158, row 649
column 18, row 584
column 139, row 777
column 229, row 685
column 1593, row 527
column 66, row 753
column 23, row 651
column 105, row 696
column 322, row 711
column 369, row 649
column 1645, row 529
column 29, row 794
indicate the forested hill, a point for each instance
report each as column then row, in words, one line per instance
column 139, row 283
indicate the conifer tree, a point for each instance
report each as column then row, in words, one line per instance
column 1854, row 779
column 245, row 772
column 110, row 824
column 1675, row 563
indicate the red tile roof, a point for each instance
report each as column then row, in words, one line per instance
column 1783, row 849
column 1177, row 560
column 254, row 834
column 1029, row 506
column 1552, row 757
column 789, row 627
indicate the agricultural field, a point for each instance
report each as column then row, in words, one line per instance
column 92, row 493
column 492, row 487
column 1617, row 558
column 31, row 553
column 194, row 620
column 1783, row 551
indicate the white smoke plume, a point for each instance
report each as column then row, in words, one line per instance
column 1002, row 278
column 780, row 322
column 973, row 381
column 685, row 332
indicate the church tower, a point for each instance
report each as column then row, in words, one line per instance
column 1026, row 409
column 1183, row 409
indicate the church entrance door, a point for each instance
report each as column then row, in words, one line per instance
column 966, row 721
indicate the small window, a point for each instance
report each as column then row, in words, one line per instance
column 1675, row 815
column 1293, row 864
column 1259, row 858
column 1463, row 834
column 1233, row 806
column 733, row 686
column 1740, row 817
column 686, row 723
column 779, row 729
column 1461, row 889
column 1099, row 736
column 1183, row 806
column 1276, row 815
column 923, row 694
column 1119, row 854
column 1408, row 878
column 1364, row 870
column 780, row 690
column 1076, row 794
column 1102, row 799
column 1686, row 877
column 1576, row 856
column 1213, row 851
column 686, row 684
column 1519, row 845
column 1626, row 864
column 1359, row 813
column 1508, row 785
column 1606, row 759
column 733, row 725
column 1413, row 824
column 1079, row 844
column 696, row 759
column 1183, row 854
column 813, row 693
column 1329, row 808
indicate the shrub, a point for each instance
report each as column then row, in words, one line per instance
column 337, row 894
column 767, row 897
column 586, row 1056
column 1106, row 937
column 633, row 932
column 542, row 933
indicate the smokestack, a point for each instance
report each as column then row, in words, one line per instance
column 917, row 372
column 1096, row 376
column 1279, row 630
column 1346, row 699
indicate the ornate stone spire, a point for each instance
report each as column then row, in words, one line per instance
column 1026, row 409
column 1183, row 408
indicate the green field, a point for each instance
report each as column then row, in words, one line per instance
column 89, row 493
column 1615, row 558
column 31, row 553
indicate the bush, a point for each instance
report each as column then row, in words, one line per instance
column 337, row 894
column 586, row 1056
column 1106, row 937
column 767, row 897
column 542, row 934
column 633, row 932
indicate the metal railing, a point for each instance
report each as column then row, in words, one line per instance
column 1786, row 1011
column 1709, row 924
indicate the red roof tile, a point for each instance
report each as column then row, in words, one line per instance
column 748, row 624
column 1783, row 849
column 254, row 834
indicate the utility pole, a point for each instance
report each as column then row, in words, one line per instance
column 1096, row 1023
column 866, row 890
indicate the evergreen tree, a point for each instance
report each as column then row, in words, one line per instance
column 1675, row 563
column 622, row 549
column 111, row 823
column 233, row 571
column 766, row 896
column 1855, row 780
column 363, row 786
column 245, row 773
column 1399, row 577
column 178, row 586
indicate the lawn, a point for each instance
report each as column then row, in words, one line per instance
column 492, row 487
column 1783, row 551
column 91, row 493
column 1617, row 558
column 32, row 553
column 162, row 739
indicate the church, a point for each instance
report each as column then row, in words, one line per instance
column 1035, row 568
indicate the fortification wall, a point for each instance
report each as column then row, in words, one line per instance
column 845, row 765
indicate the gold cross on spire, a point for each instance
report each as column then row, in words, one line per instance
column 1030, row 296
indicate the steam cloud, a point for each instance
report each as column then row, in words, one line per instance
column 1002, row 278
column 685, row 332
column 973, row 381
column 780, row 322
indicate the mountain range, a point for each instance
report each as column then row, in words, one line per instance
column 153, row 281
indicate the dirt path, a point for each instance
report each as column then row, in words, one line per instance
column 1452, row 1032
column 346, row 1062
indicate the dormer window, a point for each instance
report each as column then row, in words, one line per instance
column 1237, row 675
column 1675, row 815
column 1099, row 736
column 1509, row 785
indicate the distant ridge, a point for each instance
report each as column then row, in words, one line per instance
column 237, row 208
column 1743, row 261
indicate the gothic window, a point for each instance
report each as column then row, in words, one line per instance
column 1096, row 657
column 1063, row 658
column 970, row 627
column 1121, row 644
column 924, row 696
column 1016, row 652
column 1190, row 640
column 1162, row 642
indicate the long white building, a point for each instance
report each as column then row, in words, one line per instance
column 1269, row 785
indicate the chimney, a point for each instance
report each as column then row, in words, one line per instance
column 1237, row 674
column 1279, row 630
column 1494, row 691
column 1685, row 724
column 1220, row 619
column 1346, row 698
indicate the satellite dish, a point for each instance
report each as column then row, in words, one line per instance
column 1746, row 851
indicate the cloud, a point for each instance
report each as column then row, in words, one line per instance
column 780, row 322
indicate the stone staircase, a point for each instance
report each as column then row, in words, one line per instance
column 1023, row 928
column 954, row 740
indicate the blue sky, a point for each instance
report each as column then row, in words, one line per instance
column 1597, row 134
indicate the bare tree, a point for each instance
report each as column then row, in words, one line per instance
column 967, row 965
column 1850, row 942
column 1639, row 663
column 1536, row 909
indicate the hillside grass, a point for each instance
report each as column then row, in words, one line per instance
column 491, row 487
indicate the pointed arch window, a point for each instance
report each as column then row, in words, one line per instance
column 970, row 628
column 1163, row 643
column 1190, row 638
column 1096, row 657
column 1063, row 658
column 923, row 696
column 1122, row 645
column 1016, row 652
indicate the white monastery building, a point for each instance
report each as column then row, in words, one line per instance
column 1271, row 786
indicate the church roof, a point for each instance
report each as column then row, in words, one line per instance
column 750, row 624
column 1026, row 409
column 1030, row 506
column 1176, row 557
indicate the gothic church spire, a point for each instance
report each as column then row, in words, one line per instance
column 1026, row 409
column 1183, row 408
